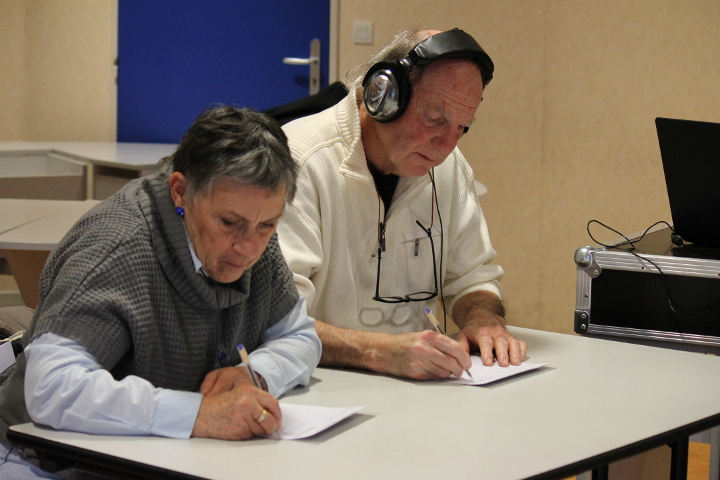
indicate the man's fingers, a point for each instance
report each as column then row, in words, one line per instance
column 497, row 344
column 464, row 342
column 432, row 370
column 518, row 351
column 501, row 351
column 453, row 355
column 486, row 345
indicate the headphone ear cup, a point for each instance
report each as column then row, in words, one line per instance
column 386, row 90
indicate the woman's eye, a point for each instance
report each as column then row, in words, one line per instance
column 227, row 223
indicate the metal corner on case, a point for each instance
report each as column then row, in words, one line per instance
column 585, row 261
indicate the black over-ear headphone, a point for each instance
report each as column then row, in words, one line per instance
column 386, row 86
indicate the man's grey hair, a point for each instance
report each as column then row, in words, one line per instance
column 397, row 49
column 237, row 143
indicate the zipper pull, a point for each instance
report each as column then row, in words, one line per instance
column 382, row 236
column 417, row 246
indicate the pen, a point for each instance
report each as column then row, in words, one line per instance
column 438, row 329
column 246, row 360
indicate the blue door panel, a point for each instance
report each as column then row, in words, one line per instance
column 178, row 57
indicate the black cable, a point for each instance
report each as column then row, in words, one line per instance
column 627, row 240
column 442, row 248
column 674, row 306
column 675, row 238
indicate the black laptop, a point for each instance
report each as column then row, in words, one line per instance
column 690, row 152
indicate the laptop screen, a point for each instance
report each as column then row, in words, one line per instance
column 690, row 152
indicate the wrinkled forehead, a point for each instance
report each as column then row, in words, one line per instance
column 454, row 85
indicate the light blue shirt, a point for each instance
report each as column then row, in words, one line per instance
column 196, row 261
column 66, row 388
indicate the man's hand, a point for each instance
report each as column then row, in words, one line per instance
column 488, row 335
column 423, row 356
column 480, row 316
column 238, row 414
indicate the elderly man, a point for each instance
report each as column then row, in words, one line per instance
column 386, row 217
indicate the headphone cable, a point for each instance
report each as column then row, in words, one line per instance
column 442, row 247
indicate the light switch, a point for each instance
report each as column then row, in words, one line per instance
column 363, row 32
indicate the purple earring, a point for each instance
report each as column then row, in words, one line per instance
column 180, row 211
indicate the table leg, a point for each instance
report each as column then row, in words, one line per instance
column 26, row 266
column 714, row 453
column 601, row 473
column 679, row 459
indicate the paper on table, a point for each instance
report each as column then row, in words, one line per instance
column 482, row 374
column 302, row 421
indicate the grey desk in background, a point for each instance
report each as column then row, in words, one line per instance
column 84, row 170
column 596, row 402
column 59, row 171
column 29, row 231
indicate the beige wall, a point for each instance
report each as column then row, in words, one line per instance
column 12, row 70
column 566, row 132
column 58, row 74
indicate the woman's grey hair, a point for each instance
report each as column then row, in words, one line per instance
column 236, row 143
column 397, row 49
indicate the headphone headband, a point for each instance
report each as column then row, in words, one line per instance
column 387, row 84
column 453, row 43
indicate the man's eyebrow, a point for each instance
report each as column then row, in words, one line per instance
column 441, row 111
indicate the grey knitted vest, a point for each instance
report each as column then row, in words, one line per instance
column 122, row 284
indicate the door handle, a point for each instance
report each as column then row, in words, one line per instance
column 298, row 61
column 313, row 61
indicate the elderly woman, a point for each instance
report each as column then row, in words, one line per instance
column 145, row 300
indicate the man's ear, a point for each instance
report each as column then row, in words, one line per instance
column 178, row 188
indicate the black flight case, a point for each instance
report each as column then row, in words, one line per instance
column 655, row 293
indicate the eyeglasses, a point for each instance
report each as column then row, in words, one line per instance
column 412, row 297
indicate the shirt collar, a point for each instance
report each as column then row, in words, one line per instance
column 196, row 261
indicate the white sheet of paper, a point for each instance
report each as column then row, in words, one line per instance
column 302, row 421
column 7, row 357
column 482, row 374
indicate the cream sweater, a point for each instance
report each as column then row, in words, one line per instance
column 329, row 235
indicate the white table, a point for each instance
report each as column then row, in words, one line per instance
column 595, row 403
column 102, row 159
column 29, row 230
column 16, row 212
column 47, row 227
column 139, row 156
